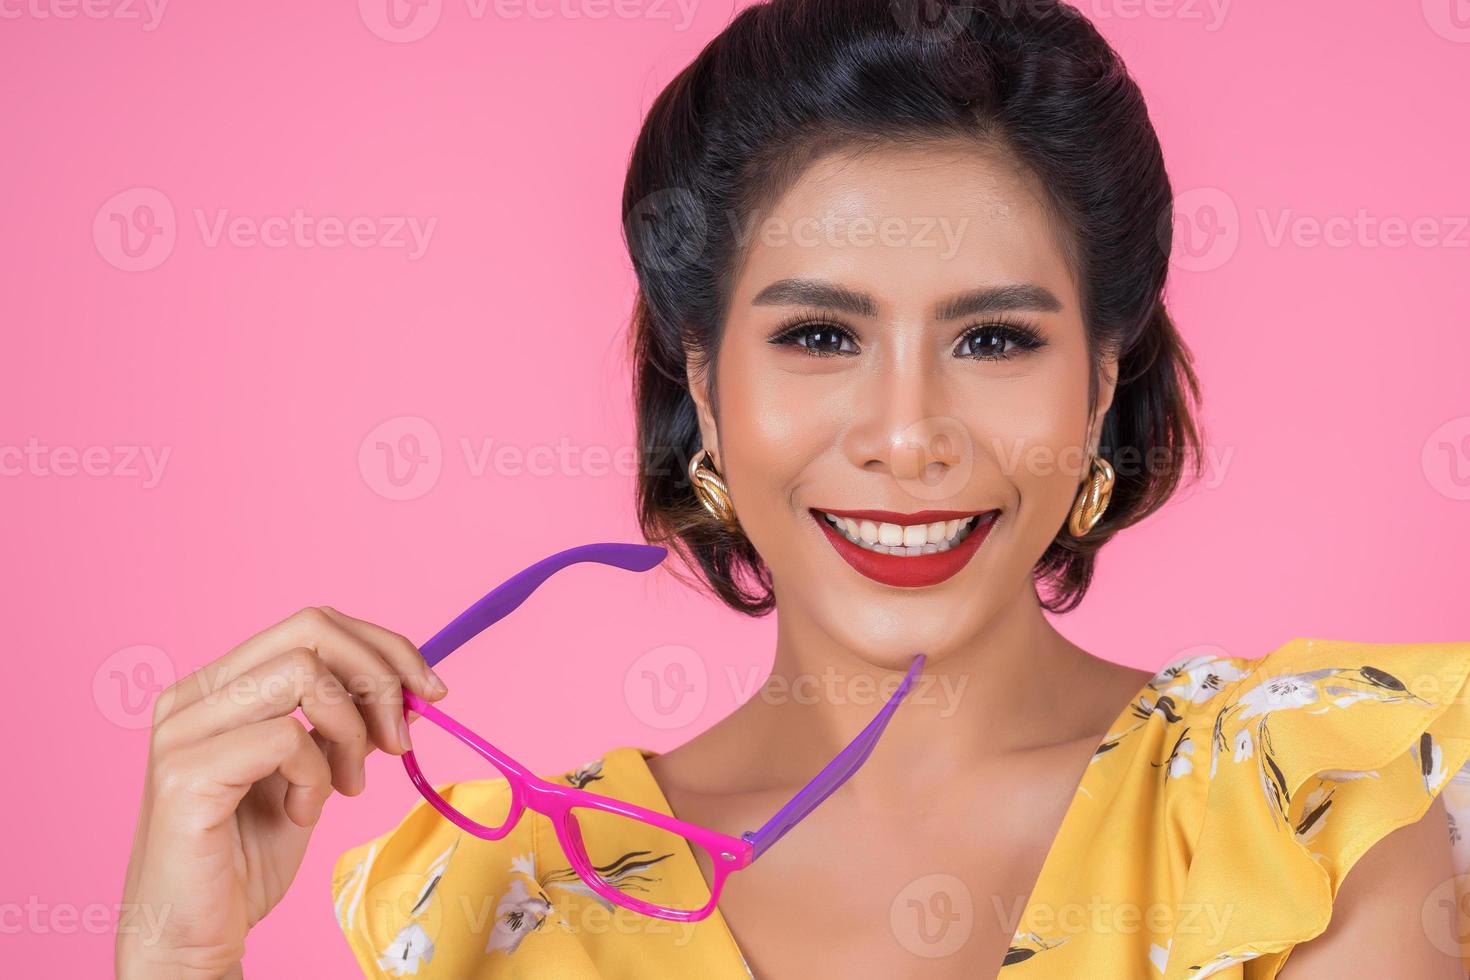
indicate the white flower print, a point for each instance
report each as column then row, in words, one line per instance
column 412, row 946
column 350, row 895
column 1159, row 955
column 1278, row 694
column 1180, row 763
column 1346, row 775
column 1430, row 756
column 1314, row 810
column 1244, row 746
column 520, row 912
column 1197, row 679
column 1219, row 963
column 1333, row 688
column 589, row 773
column 409, row 950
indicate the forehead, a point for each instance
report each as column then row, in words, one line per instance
column 908, row 224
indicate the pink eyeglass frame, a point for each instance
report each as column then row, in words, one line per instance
column 556, row 801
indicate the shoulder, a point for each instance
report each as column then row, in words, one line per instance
column 430, row 899
column 1304, row 760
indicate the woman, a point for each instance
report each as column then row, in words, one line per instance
column 900, row 303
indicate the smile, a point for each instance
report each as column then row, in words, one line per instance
column 905, row 550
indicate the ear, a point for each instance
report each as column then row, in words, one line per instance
column 696, row 374
column 1107, row 387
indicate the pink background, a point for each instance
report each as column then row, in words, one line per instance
column 1337, row 408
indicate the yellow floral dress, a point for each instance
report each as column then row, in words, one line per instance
column 1234, row 794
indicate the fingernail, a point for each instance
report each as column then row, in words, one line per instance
column 403, row 734
column 436, row 686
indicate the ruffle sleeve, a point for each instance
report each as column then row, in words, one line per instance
column 1316, row 754
column 393, row 896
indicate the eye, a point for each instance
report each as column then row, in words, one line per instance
column 818, row 337
column 998, row 341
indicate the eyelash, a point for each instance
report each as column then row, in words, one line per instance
column 1024, row 337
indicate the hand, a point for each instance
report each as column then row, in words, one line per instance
column 235, row 783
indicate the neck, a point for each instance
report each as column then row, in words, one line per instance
column 998, row 691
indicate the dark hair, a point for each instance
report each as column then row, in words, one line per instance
column 791, row 80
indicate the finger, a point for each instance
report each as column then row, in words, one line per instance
column 296, row 678
column 310, row 627
column 399, row 651
column 221, row 770
column 375, row 685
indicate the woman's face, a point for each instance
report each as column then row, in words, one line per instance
column 903, row 337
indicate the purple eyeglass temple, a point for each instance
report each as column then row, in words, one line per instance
column 507, row 596
column 836, row 772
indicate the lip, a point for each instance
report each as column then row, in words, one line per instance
column 908, row 571
column 894, row 517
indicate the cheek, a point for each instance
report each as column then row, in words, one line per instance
column 773, row 422
column 1030, row 432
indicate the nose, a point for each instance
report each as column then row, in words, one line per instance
column 903, row 430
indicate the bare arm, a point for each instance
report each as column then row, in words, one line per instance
column 1384, row 911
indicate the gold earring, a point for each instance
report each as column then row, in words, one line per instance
column 709, row 487
column 1088, row 508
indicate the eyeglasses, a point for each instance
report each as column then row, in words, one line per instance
column 579, row 816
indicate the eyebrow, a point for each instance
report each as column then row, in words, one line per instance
column 987, row 299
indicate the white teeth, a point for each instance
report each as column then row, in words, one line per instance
column 896, row 539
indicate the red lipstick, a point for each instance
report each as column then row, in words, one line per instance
column 907, row 571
